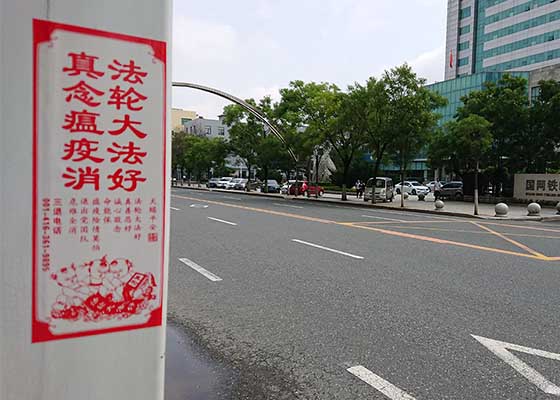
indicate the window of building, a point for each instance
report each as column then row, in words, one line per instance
column 221, row 131
column 464, row 30
column 535, row 93
column 463, row 46
column 463, row 61
column 185, row 120
column 465, row 12
column 208, row 130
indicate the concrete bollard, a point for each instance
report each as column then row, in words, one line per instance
column 439, row 205
column 421, row 197
column 534, row 209
column 558, row 208
column 501, row 209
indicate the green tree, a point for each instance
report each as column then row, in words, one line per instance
column 370, row 114
column 298, row 115
column 544, row 137
column 472, row 139
column 250, row 139
column 411, row 113
column 198, row 155
column 343, row 133
column 505, row 105
column 178, row 148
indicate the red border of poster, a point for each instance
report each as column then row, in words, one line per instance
column 42, row 31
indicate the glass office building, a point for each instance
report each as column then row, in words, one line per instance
column 501, row 35
column 454, row 89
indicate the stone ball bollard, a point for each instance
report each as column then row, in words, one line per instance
column 558, row 208
column 439, row 205
column 501, row 209
column 405, row 195
column 421, row 197
column 534, row 209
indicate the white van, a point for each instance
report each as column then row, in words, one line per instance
column 384, row 189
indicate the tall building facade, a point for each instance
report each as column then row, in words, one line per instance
column 501, row 35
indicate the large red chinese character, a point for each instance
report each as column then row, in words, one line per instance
column 128, row 124
column 119, row 179
column 128, row 98
column 82, row 121
column 83, row 63
column 80, row 150
column 129, row 152
column 84, row 176
column 83, row 92
column 131, row 70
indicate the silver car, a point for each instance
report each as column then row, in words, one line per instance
column 383, row 189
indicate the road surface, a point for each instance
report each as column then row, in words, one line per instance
column 322, row 301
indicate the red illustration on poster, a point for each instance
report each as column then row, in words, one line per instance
column 99, row 182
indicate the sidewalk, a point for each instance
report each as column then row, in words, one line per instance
column 412, row 204
column 457, row 208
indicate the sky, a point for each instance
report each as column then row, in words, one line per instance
column 252, row 48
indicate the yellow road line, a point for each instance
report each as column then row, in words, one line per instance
column 444, row 241
column 515, row 243
column 407, row 222
column 423, row 228
column 521, row 226
column 380, row 230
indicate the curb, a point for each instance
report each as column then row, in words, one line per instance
column 365, row 205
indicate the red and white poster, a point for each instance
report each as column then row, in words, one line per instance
column 99, row 182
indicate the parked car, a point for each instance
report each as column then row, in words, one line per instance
column 212, row 182
column 312, row 189
column 231, row 184
column 240, row 184
column 383, row 189
column 451, row 190
column 272, row 186
column 412, row 187
column 224, row 180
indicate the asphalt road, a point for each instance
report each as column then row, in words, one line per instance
column 317, row 301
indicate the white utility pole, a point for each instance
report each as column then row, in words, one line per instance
column 84, row 198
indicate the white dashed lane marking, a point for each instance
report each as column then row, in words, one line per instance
column 199, row 269
column 328, row 249
column 222, row 221
column 379, row 384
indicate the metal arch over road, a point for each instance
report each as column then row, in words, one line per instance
column 253, row 110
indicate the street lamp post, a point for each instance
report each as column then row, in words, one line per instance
column 318, row 156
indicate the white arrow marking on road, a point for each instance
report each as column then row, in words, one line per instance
column 380, row 384
column 222, row 221
column 286, row 205
column 199, row 205
column 176, row 209
column 501, row 350
column 328, row 249
column 198, row 268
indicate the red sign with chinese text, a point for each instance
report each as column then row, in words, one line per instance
column 99, row 187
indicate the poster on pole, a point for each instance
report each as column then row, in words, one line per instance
column 99, row 187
